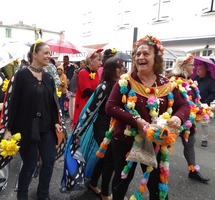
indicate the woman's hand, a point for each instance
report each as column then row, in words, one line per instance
column 7, row 134
column 58, row 127
column 141, row 123
column 174, row 122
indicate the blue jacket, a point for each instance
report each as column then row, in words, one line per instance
column 206, row 87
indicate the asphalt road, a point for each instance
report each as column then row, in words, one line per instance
column 180, row 187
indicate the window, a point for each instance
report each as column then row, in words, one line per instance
column 206, row 52
column 208, row 6
column 87, row 24
column 196, row 53
column 8, row 33
column 161, row 10
column 124, row 15
column 168, row 64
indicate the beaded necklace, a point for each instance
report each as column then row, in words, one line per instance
column 153, row 105
column 38, row 70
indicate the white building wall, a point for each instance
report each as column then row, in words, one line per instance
column 185, row 20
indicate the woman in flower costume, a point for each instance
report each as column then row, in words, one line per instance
column 188, row 89
column 128, row 105
column 88, row 80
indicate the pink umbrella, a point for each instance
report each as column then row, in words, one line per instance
column 62, row 46
column 210, row 65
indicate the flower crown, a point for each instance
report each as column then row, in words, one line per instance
column 188, row 59
column 151, row 41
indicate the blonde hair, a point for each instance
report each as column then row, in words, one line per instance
column 93, row 54
column 181, row 62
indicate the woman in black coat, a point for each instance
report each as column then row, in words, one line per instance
column 32, row 111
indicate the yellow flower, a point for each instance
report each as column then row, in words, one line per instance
column 58, row 93
column 131, row 104
column 9, row 147
column 113, row 51
column 16, row 137
column 166, row 115
column 5, row 85
column 12, row 63
column 147, row 90
column 92, row 75
column 123, row 82
column 38, row 41
column 153, row 113
column 125, row 76
column 127, row 132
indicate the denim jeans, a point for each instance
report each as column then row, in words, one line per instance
column 47, row 151
column 61, row 102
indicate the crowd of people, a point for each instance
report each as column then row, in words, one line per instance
column 111, row 113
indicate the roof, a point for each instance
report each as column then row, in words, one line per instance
column 95, row 46
column 194, row 40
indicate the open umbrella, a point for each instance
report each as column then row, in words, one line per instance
column 210, row 65
column 124, row 56
column 62, row 46
column 7, row 54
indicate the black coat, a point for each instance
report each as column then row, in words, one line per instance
column 206, row 87
column 22, row 104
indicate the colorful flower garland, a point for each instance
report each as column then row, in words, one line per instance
column 197, row 113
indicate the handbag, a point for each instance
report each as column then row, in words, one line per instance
column 143, row 153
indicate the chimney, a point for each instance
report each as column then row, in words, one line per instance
column 21, row 23
column 62, row 36
column 1, row 23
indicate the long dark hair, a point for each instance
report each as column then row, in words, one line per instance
column 109, row 71
column 34, row 49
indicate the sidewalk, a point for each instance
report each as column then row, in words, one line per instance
column 180, row 187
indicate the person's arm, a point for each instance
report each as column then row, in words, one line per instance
column 115, row 108
column 84, row 83
column 180, row 107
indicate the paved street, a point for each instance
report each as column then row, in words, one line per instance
column 180, row 187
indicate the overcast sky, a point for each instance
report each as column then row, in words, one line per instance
column 47, row 14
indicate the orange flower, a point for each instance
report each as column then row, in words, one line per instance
column 186, row 135
column 191, row 168
column 123, row 98
column 132, row 99
column 112, row 122
column 164, row 179
column 99, row 154
column 198, row 117
column 170, row 103
column 103, row 146
column 127, row 154
column 150, row 134
column 142, row 189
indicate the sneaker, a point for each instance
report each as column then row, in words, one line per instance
column 204, row 143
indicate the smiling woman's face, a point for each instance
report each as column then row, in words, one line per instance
column 144, row 58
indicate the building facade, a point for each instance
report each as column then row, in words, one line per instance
column 182, row 25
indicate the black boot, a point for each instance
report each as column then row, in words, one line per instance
column 198, row 177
